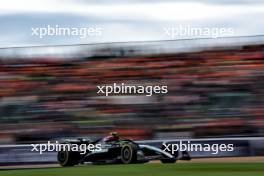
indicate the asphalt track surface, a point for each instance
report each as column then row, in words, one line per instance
column 200, row 160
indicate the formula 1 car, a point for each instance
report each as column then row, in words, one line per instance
column 118, row 151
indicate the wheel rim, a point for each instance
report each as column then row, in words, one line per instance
column 126, row 154
column 62, row 156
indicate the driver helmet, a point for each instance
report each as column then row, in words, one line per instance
column 114, row 136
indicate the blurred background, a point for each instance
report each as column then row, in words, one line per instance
column 213, row 91
column 125, row 20
column 48, row 85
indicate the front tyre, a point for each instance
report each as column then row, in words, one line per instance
column 129, row 154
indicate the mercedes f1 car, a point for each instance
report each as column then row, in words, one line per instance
column 118, row 151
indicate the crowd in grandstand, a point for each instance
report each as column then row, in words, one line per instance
column 217, row 92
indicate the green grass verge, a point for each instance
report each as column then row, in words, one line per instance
column 181, row 169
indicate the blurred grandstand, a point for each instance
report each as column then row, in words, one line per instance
column 216, row 88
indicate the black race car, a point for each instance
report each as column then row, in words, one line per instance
column 120, row 151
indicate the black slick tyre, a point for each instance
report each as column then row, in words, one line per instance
column 129, row 154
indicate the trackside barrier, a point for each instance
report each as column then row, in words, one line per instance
column 22, row 154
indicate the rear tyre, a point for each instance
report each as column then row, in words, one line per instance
column 129, row 154
column 68, row 158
